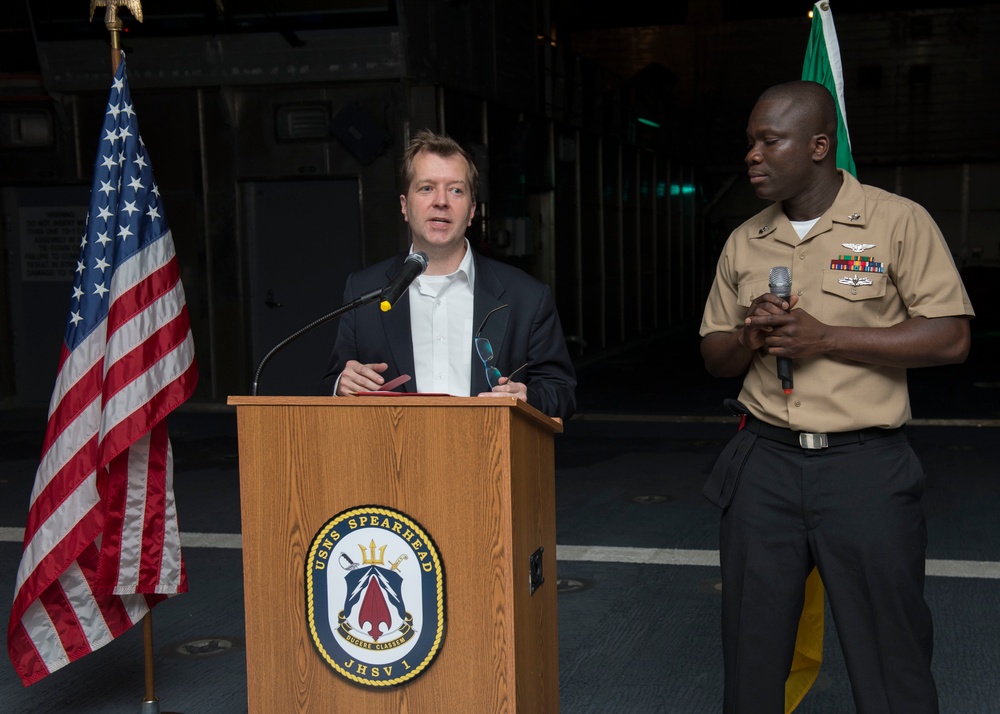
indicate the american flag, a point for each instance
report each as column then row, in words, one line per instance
column 102, row 544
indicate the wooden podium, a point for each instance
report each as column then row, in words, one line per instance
column 476, row 473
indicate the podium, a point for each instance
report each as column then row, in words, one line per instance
column 476, row 474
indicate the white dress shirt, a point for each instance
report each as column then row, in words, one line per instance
column 441, row 326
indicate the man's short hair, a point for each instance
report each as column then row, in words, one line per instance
column 427, row 141
column 813, row 102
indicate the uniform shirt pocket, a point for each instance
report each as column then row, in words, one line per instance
column 751, row 289
column 854, row 286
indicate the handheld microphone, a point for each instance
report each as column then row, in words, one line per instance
column 414, row 265
column 780, row 284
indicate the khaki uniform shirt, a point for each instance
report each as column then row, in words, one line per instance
column 873, row 259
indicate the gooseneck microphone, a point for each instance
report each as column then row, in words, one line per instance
column 353, row 305
column 780, row 284
column 414, row 265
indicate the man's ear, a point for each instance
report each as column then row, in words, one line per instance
column 402, row 207
column 821, row 147
column 472, row 214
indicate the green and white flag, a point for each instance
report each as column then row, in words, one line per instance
column 822, row 64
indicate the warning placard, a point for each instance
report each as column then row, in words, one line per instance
column 50, row 241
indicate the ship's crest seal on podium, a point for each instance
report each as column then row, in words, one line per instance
column 375, row 596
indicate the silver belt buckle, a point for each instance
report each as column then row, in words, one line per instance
column 813, row 441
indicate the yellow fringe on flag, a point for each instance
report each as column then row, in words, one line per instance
column 808, row 644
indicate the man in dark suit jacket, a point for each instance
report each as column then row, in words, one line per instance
column 513, row 310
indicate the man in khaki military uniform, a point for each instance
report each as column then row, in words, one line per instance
column 823, row 475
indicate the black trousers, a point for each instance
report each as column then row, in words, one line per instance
column 854, row 511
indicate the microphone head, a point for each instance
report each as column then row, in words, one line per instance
column 420, row 258
column 780, row 281
column 414, row 264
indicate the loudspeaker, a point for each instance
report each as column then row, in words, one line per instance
column 359, row 133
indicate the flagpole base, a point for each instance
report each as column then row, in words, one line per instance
column 152, row 706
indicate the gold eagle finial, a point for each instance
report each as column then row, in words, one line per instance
column 111, row 14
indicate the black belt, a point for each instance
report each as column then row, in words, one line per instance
column 808, row 440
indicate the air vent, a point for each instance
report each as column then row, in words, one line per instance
column 302, row 122
column 26, row 129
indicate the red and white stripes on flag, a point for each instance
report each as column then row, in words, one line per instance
column 102, row 543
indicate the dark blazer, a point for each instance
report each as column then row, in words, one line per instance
column 527, row 331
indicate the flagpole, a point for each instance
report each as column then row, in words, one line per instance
column 114, row 25
column 150, row 703
column 822, row 64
